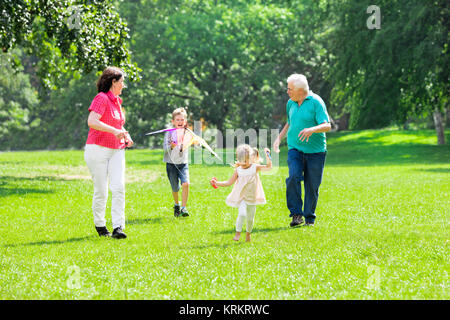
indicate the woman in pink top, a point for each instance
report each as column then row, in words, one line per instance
column 104, row 151
column 247, row 191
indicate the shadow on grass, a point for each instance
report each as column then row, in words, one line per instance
column 232, row 243
column 255, row 230
column 435, row 170
column 145, row 221
column 6, row 192
column 134, row 162
column 5, row 179
column 47, row 242
column 378, row 148
column 216, row 245
column 373, row 155
column 8, row 185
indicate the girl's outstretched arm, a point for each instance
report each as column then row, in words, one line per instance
column 268, row 166
column 229, row 182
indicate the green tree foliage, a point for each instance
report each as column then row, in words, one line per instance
column 64, row 119
column 17, row 100
column 54, row 120
column 68, row 37
column 386, row 75
column 226, row 60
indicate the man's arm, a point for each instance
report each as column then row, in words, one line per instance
column 276, row 143
column 307, row 132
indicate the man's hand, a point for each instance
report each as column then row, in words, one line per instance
column 276, row 145
column 305, row 134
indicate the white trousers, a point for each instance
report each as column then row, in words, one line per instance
column 106, row 163
column 246, row 212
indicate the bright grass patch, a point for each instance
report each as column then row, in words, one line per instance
column 382, row 229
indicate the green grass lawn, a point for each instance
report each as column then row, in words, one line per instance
column 382, row 229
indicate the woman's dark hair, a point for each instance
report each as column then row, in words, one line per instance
column 104, row 83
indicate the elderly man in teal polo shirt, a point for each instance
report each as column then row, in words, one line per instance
column 307, row 122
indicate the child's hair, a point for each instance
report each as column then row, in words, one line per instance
column 179, row 111
column 255, row 157
column 244, row 154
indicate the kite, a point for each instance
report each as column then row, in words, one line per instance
column 195, row 139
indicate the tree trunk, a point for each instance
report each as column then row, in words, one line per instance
column 220, row 142
column 447, row 116
column 406, row 124
column 439, row 125
column 342, row 122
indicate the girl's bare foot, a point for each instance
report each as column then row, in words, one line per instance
column 237, row 236
column 247, row 237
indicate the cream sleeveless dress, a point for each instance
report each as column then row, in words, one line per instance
column 247, row 188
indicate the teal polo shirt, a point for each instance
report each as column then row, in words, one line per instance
column 310, row 113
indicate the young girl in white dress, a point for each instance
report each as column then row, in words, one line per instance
column 248, row 191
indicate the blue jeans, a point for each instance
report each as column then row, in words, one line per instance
column 177, row 173
column 309, row 168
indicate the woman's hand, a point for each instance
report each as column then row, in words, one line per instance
column 128, row 141
column 95, row 123
column 120, row 134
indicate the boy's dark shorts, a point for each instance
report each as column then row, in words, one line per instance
column 177, row 172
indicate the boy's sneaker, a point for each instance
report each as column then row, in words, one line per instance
column 296, row 220
column 176, row 210
column 184, row 212
column 310, row 224
column 118, row 233
column 103, row 232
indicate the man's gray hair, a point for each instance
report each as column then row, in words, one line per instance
column 299, row 81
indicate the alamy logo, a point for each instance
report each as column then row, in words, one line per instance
column 227, row 142
column 74, row 20
column 373, row 281
column 73, row 280
column 374, row 21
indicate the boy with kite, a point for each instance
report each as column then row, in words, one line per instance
column 176, row 143
column 177, row 140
